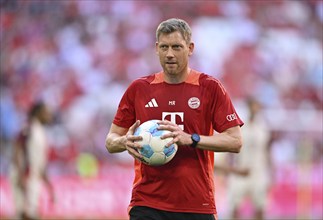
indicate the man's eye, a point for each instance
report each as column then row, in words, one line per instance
column 176, row 47
column 163, row 47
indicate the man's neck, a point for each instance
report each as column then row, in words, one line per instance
column 177, row 78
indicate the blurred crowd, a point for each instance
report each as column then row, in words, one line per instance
column 79, row 57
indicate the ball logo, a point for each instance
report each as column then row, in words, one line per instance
column 194, row 103
column 232, row 117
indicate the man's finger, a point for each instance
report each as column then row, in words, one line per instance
column 134, row 152
column 134, row 126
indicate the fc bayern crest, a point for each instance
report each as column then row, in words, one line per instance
column 194, row 103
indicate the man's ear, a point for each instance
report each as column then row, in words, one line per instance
column 156, row 47
column 191, row 48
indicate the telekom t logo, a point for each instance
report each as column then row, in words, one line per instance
column 173, row 117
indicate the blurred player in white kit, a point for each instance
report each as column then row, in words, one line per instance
column 28, row 168
column 249, row 171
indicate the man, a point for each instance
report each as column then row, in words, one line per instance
column 191, row 105
column 252, row 175
column 28, row 169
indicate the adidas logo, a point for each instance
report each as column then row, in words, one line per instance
column 151, row 103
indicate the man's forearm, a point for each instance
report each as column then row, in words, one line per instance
column 229, row 141
column 115, row 143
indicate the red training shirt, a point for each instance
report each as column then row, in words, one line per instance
column 199, row 105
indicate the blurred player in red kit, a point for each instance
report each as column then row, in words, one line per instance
column 191, row 105
column 28, row 169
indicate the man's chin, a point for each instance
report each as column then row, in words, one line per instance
column 171, row 71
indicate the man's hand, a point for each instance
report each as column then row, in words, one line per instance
column 178, row 135
column 131, row 142
column 243, row 172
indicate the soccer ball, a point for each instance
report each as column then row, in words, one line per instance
column 153, row 148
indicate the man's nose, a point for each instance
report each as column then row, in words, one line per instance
column 170, row 53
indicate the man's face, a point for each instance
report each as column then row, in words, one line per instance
column 45, row 115
column 173, row 53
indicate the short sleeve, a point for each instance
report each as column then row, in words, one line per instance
column 125, row 115
column 224, row 115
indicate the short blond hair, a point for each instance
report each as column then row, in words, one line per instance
column 174, row 24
